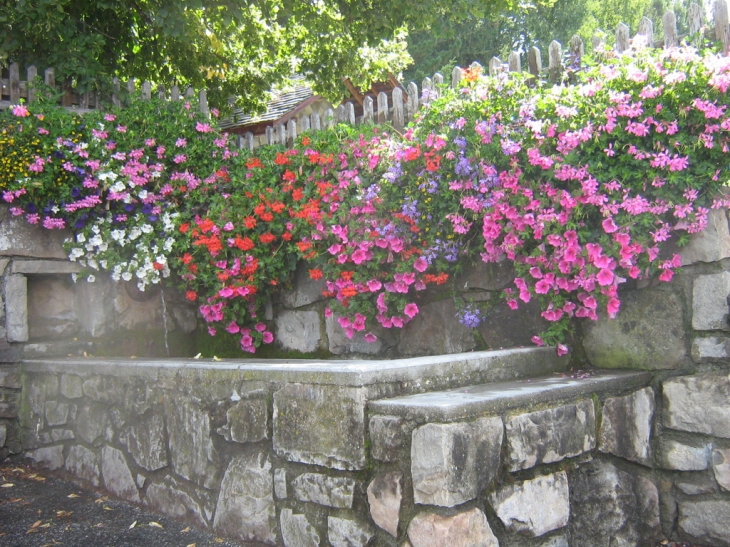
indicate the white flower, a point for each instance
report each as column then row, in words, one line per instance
column 91, row 279
column 118, row 235
column 147, row 229
column 142, row 194
column 55, row 209
column 103, row 263
column 80, row 238
column 116, row 277
column 93, row 264
column 134, row 233
column 75, row 253
column 96, row 240
column 167, row 246
column 118, row 187
column 127, row 276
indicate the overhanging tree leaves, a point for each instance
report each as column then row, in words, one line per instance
column 233, row 48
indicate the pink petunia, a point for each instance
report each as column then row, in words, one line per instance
column 267, row 337
column 411, row 310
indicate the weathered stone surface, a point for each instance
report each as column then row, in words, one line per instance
column 492, row 276
column 720, row 465
column 62, row 435
column 94, row 306
column 50, row 307
column 694, row 486
column 9, row 377
column 280, row 489
column 320, row 424
column 146, row 442
column 330, row 491
column 435, row 331
column 185, row 319
column 306, row 290
column 467, row 529
column 56, row 413
column 556, row 541
column 45, row 267
column 339, row 343
column 91, row 422
column 711, row 244
column 610, row 507
column 709, row 301
column 192, row 453
column 247, row 421
column 705, row 522
column 626, row 426
column 246, row 508
column 384, row 498
column 19, row 238
column 452, row 463
column 551, row 435
column 3, row 434
column 50, row 457
column 170, row 499
column 10, row 354
column 388, row 436
column 298, row 330
column 83, row 463
column 103, row 389
column 16, row 307
column 678, row 456
column 504, row 327
column 71, row 386
column 296, row 530
column 647, row 334
column 347, row 532
column 699, row 404
column 534, row 507
column 117, row 477
column 710, row 349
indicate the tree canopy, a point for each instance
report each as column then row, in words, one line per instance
column 232, row 47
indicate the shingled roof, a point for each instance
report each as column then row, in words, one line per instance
column 281, row 104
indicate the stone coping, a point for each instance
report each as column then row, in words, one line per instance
column 493, row 398
column 488, row 366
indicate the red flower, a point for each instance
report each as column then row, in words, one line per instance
column 297, row 194
column 243, row 243
column 157, row 266
column 303, row 245
column 316, row 274
column 191, row 295
column 184, row 229
column 288, row 176
column 254, row 162
column 267, row 217
column 281, row 159
column 187, row 258
column 249, row 222
column 286, row 236
column 268, row 237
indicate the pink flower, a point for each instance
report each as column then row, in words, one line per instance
column 374, row 285
column 110, row 117
column 609, row 226
column 562, row 349
column 233, row 328
column 268, row 337
column 203, row 127
column 370, row 338
column 538, row 341
column 344, row 322
column 666, row 275
column 420, row 264
column 260, row 327
column 20, row 111
column 613, row 306
column 180, row 158
column 411, row 310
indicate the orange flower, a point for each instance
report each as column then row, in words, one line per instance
column 243, row 243
column 316, row 274
column 303, row 245
column 191, row 295
column 305, row 141
column 281, row 159
column 346, row 275
column 297, row 194
column 268, row 237
column 249, row 222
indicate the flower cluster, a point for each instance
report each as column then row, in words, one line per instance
column 579, row 186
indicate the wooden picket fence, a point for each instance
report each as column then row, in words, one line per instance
column 406, row 103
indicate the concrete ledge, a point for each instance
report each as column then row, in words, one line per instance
column 431, row 372
column 45, row 267
column 493, row 398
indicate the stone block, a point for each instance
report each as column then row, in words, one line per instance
column 339, row 343
column 117, row 477
column 185, row 318
column 20, row 238
column 9, row 377
column 504, row 327
column 551, row 435
column 103, row 389
column 298, row 330
column 169, row 498
column 321, row 425
column 556, row 541
column 626, row 426
column 305, row 291
column 611, row 507
column 385, row 497
column 647, row 334
column 62, row 435
column 246, row 422
column 534, row 507
column 296, row 531
column 280, row 489
column 146, row 442
column 335, row 492
column 705, row 522
column 16, row 307
column 94, row 306
column 452, row 463
column 678, row 456
column 56, row 413
column 466, row 529
column 42, row 267
column 436, row 331
column 711, row 244
column 8, row 406
column 83, row 463
column 71, row 386
column 10, row 354
column 388, row 436
column 698, row 404
column 246, row 508
column 192, row 453
column 720, row 466
column 50, row 457
column 3, row 434
column 709, row 301
column 486, row 276
column 711, row 349
column 91, row 423
column 348, row 533
column 695, row 486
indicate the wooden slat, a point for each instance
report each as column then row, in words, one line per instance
column 291, row 132
column 306, row 126
column 438, row 81
column 598, row 42
column 32, row 74
column 269, row 135
column 645, row 33
column 622, row 38
column 146, row 90
column 340, row 114
column 175, row 93
column 203, row 103
column 350, row 113
column 514, row 61
column 671, row 39
column 399, row 115
column 721, row 20
column 694, row 19
column 281, row 134
column 248, row 138
column 14, row 70
column 189, row 93
column 382, row 107
column 368, row 114
column 495, row 66
column 413, row 101
column 316, row 122
column 329, row 118
column 555, row 55
column 534, row 61
column 456, row 77
column 115, row 92
column 161, row 92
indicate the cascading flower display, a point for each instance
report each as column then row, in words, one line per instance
column 578, row 185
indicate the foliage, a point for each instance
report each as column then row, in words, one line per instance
column 579, row 186
column 232, row 48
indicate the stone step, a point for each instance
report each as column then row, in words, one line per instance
column 494, row 398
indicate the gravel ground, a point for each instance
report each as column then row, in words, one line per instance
column 37, row 509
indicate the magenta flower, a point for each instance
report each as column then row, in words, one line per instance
column 267, row 337
column 20, row 110
column 370, row 338
column 411, row 310
column 609, row 226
